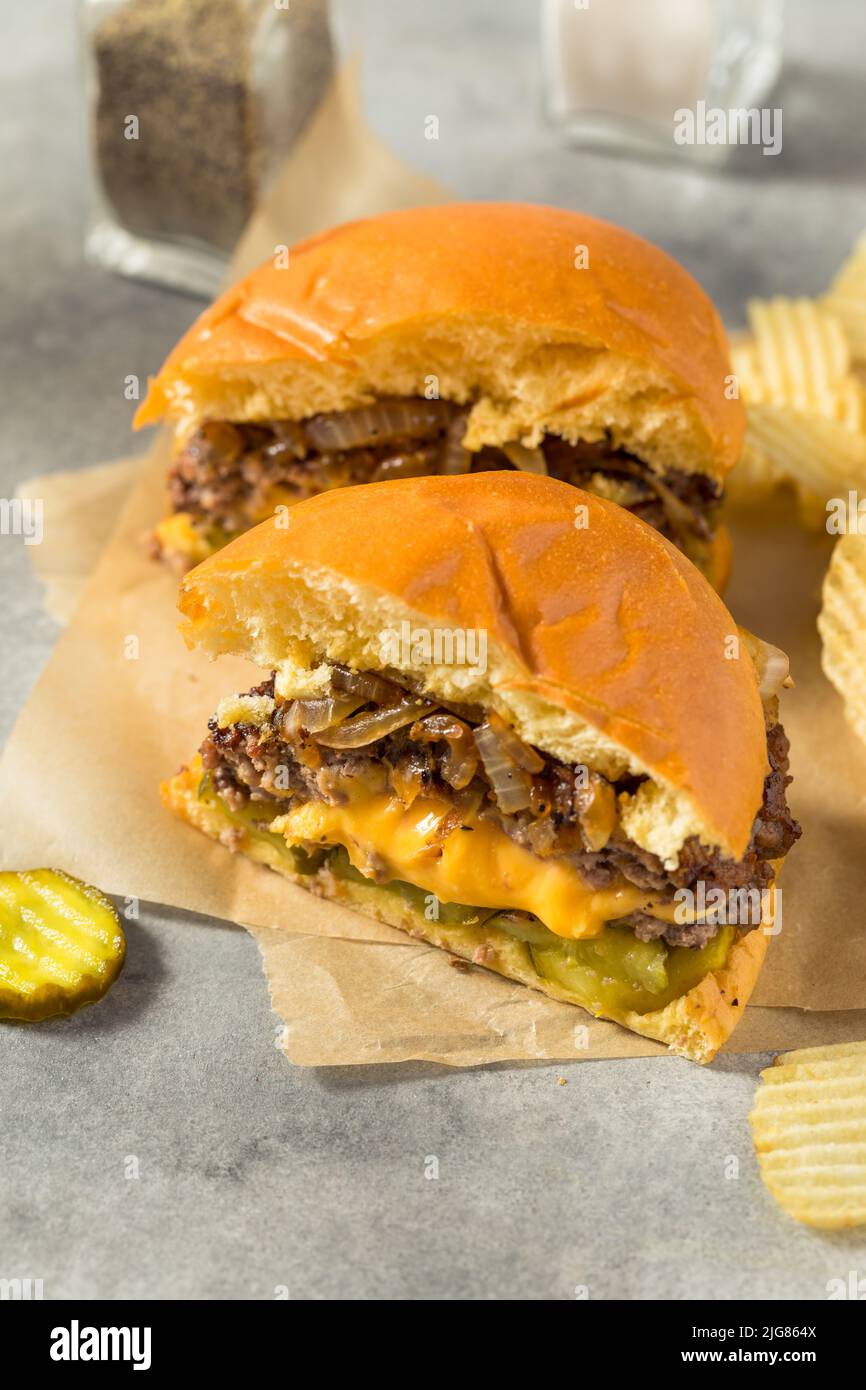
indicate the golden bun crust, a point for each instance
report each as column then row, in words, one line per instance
column 694, row 1026
column 491, row 300
column 186, row 546
column 604, row 644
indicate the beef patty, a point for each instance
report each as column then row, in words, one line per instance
column 568, row 811
column 227, row 476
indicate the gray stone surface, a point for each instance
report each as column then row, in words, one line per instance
column 254, row 1174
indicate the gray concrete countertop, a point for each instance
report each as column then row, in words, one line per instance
column 253, row 1174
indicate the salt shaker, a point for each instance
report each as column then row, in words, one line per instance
column 662, row 76
column 191, row 107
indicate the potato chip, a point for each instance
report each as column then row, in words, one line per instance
column 850, row 404
column 846, row 299
column 821, row 454
column 794, row 374
column 744, row 360
column 809, row 1130
column 61, row 944
column 801, row 354
column 842, row 625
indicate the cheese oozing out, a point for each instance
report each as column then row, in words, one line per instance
column 476, row 864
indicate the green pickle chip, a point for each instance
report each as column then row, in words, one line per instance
column 614, row 973
column 61, row 944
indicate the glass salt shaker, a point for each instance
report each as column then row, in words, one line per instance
column 191, row 107
column 663, row 76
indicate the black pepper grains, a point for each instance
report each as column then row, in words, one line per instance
column 194, row 104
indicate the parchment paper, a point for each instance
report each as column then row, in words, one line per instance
column 81, row 509
column 122, row 703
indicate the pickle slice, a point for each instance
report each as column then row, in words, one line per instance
column 614, row 973
column 61, row 944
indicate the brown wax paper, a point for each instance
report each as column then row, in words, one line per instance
column 122, row 703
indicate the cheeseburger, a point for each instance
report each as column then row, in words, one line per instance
column 511, row 719
column 472, row 338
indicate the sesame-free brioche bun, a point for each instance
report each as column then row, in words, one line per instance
column 545, row 320
column 604, row 645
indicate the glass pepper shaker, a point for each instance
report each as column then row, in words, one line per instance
column 191, row 106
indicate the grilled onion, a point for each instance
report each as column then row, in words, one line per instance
column 527, row 460
column 410, row 776
column 684, row 523
column 514, row 747
column 376, row 424
column 372, row 725
column 681, row 519
column 462, row 811
column 461, row 761
column 468, row 801
column 374, row 688
column 436, row 830
column 316, row 715
column 596, row 811
column 772, row 666
column 541, row 836
column 512, row 785
column 411, row 463
column 453, row 458
column 289, row 435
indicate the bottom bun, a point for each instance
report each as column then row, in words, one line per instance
column 695, row 1025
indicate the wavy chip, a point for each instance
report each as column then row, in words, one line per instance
column 801, row 355
column 850, row 404
column 744, row 359
column 61, row 944
column 842, row 625
column 805, row 403
column 809, row 1129
column 820, row 457
column 846, row 299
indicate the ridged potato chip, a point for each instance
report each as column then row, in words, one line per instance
column 821, row 454
column 801, row 355
column 744, row 360
column 846, row 299
column 850, row 404
column 809, row 1130
column 755, row 476
column 805, row 404
column 61, row 944
column 842, row 625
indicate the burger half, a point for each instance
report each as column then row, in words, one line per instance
column 470, row 338
column 514, row 721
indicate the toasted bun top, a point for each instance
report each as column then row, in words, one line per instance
column 591, row 634
column 546, row 320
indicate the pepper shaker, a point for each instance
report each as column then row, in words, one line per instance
column 191, row 106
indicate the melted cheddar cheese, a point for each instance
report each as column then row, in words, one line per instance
column 476, row 863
